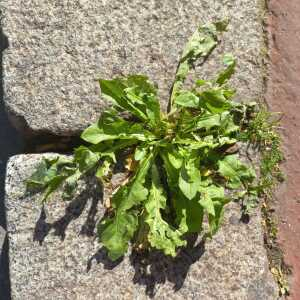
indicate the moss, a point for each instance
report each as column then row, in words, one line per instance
column 263, row 135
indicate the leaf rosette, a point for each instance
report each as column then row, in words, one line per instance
column 180, row 166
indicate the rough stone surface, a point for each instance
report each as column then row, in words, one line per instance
column 233, row 265
column 2, row 239
column 58, row 48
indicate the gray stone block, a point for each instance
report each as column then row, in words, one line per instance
column 2, row 240
column 51, row 258
column 58, row 48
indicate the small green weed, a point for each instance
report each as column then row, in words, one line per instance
column 179, row 163
column 262, row 134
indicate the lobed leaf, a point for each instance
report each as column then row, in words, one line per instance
column 115, row 233
column 134, row 94
column 199, row 45
column 161, row 235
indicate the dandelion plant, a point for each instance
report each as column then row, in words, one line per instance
column 182, row 163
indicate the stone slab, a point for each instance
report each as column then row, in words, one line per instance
column 52, row 258
column 2, row 240
column 58, row 48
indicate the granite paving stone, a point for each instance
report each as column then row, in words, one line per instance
column 54, row 254
column 58, row 48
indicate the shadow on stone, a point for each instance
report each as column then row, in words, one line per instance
column 42, row 228
column 153, row 267
column 150, row 267
column 92, row 193
column 245, row 218
column 101, row 257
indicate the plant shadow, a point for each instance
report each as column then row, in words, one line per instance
column 101, row 257
column 153, row 267
column 93, row 194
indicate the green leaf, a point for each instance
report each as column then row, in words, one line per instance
column 37, row 179
column 214, row 101
column 230, row 62
column 221, row 25
column 71, row 184
column 140, row 152
column 228, row 125
column 110, row 148
column 189, row 213
column 134, row 94
column 172, row 172
column 222, row 121
column 213, row 191
column 189, row 177
column 117, row 91
column 85, row 158
column 184, row 219
column 111, row 127
column 207, row 203
column 104, row 169
column 94, row 134
column 146, row 106
column 115, row 233
column 208, row 195
column 224, row 140
column 200, row 45
column 50, row 174
column 234, row 171
column 213, row 200
column 216, row 220
column 206, row 121
column 135, row 192
column 113, row 91
column 201, row 82
column 175, row 158
column 161, row 235
column 142, row 83
column 187, row 99
column 195, row 145
column 52, row 186
column 153, row 110
column 144, row 96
